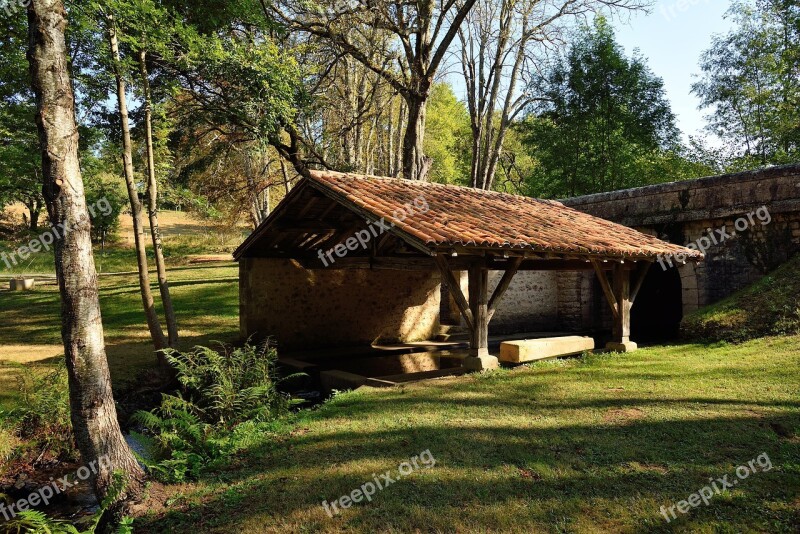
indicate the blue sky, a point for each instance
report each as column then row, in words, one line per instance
column 672, row 40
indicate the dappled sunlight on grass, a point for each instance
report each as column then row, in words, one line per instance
column 206, row 304
column 592, row 444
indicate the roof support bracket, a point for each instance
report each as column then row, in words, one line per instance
column 504, row 283
column 640, row 280
column 609, row 293
column 455, row 290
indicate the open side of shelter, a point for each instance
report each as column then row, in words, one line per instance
column 350, row 223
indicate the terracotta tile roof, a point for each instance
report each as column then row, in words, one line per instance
column 473, row 218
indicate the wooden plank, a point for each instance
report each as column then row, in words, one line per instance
column 502, row 286
column 455, row 290
column 609, row 293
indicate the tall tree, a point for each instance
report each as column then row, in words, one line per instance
column 601, row 117
column 751, row 82
column 93, row 413
column 20, row 172
column 502, row 43
column 422, row 32
column 152, row 203
column 153, row 322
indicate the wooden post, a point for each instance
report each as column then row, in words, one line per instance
column 479, row 358
column 620, row 341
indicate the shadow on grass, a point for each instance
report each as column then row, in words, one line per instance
column 556, row 476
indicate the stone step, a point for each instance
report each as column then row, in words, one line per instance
column 528, row 350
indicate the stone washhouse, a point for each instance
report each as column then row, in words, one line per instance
column 348, row 261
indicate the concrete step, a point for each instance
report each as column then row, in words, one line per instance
column 452, row 333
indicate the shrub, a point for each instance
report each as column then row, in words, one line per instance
column 227, row 398
column 36, row 522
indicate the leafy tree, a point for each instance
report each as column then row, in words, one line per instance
column 20, row 171
column 751, row 83
column 603, row 123
column 106, row 200
column 447, row 136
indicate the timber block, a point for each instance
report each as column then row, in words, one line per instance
column 528, row 350
column 625, row 346
column 480, row 363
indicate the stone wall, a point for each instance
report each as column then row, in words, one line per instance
column 530, row 304
column 305, row 309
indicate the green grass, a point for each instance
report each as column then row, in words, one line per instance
column 770, row 306
column 205, row 299
column 597, row 444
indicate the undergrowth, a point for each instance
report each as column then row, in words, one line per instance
column 228, row 400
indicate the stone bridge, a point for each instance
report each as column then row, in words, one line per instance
column 746, row 223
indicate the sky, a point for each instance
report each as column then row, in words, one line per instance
column 672, row 38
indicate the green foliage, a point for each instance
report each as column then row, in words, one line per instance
column 226, row 399
column 603, row 122
column 20, row 160
column 42, row 417
column 106, row 198
column 771, row 306
column 447, row 136
column 751, row 83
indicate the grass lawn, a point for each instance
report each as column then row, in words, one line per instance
column 205, row 298
column 596, row 444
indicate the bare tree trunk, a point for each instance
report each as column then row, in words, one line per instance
column 286, row 185
column 153, row 322
column 152, row 207
column 92, row 409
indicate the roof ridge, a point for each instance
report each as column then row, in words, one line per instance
column 474, row 190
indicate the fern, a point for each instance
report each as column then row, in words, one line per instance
column 221, row 392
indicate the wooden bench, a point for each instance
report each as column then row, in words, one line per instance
column 529, row 350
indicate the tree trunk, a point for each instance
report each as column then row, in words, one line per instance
column 152, row 206
column 415, row 164
column 35, row 210
column 92, row 409
column 153, row 324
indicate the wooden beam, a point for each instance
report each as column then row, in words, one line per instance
column 639, row 281
column 363, row 262
column 294, row 225
column 622, row 292
column 502, row 286
column 479, row 305
column 609, row 293
column 455, row 290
